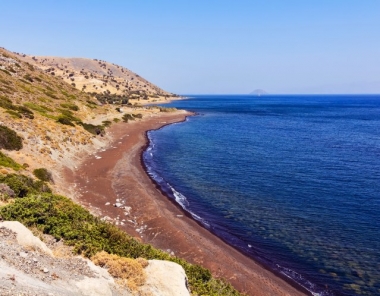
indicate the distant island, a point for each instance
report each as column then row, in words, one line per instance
column 258, row 92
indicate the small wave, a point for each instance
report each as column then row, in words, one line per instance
column 303, row 282
column 180, row 198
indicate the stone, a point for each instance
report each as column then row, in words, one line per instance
column 165, row 278
column 118, row 205
column 23, row 254
column 25, row 237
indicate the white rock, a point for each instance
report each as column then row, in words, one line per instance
column 118, row 205
column 165, row 278
column 25, row 237
column 23, row 254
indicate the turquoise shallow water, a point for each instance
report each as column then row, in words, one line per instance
column 292, row 181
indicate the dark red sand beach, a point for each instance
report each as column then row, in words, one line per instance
column 117, row 173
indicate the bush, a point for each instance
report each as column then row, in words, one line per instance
column 17, row 111
column 24, row 111
column 68, row 114
column 6, row 103
column 14, row 114
column 106, row 123
column 130, row 272
column 28, row 77
column 43, row 174
column 39, row 108
column 23, row 185
column 65, row 120
column 70, row 106
column 166, row 109
column 93, row 129
column 127, row 117
column 8, row 162
column 9, row 140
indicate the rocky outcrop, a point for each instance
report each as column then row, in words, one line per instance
column 165, row 278
column 29, row 267
column 25, row 237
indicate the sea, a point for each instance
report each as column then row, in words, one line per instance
column 292, row 181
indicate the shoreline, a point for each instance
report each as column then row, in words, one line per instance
column 117, row 174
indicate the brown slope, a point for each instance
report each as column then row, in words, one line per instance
column 92, row 75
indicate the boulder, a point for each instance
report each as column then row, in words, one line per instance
column 25, row 237
column 165, row 278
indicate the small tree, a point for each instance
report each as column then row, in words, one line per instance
column 9, row 140
column 43, row 174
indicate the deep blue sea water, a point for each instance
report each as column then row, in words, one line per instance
column 292, row 181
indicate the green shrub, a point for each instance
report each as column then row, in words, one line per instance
column 9, row 140
column 70, row 106
column 23, row 185
column 22, row 111
column 93, row 129
column 51, row 94
column 106, row 123
column 166, row 109
column 6, row 103
column 68, row 114
column 28, row 77
column 60, row 217
column 14, row 114
column 8, row 162
column 39, row 108
column 25, row 112
column 64, row 120
column 127, row 117
column 43, row 174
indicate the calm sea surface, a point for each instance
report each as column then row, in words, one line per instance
column 292, row 181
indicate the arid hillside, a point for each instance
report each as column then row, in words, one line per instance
column 55, row 120
column 100, row 77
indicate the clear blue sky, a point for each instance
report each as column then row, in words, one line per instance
column 211, row 46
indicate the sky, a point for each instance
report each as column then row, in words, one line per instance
column 211, row 47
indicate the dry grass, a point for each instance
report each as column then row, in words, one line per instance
column 128, row 272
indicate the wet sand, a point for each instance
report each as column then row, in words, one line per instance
column 117, row 175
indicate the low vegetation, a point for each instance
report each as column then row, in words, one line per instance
column 43, row 174
column 128, row 272
column 167, row 109
column 108, row 98
column 9, row 140
column 59, row 216
column 23, row 185
column 127, row 117
column 93, row 129
column 19, row 111
column 8, row 162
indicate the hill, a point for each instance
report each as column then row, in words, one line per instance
column 99, row 77
column 258, row 92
